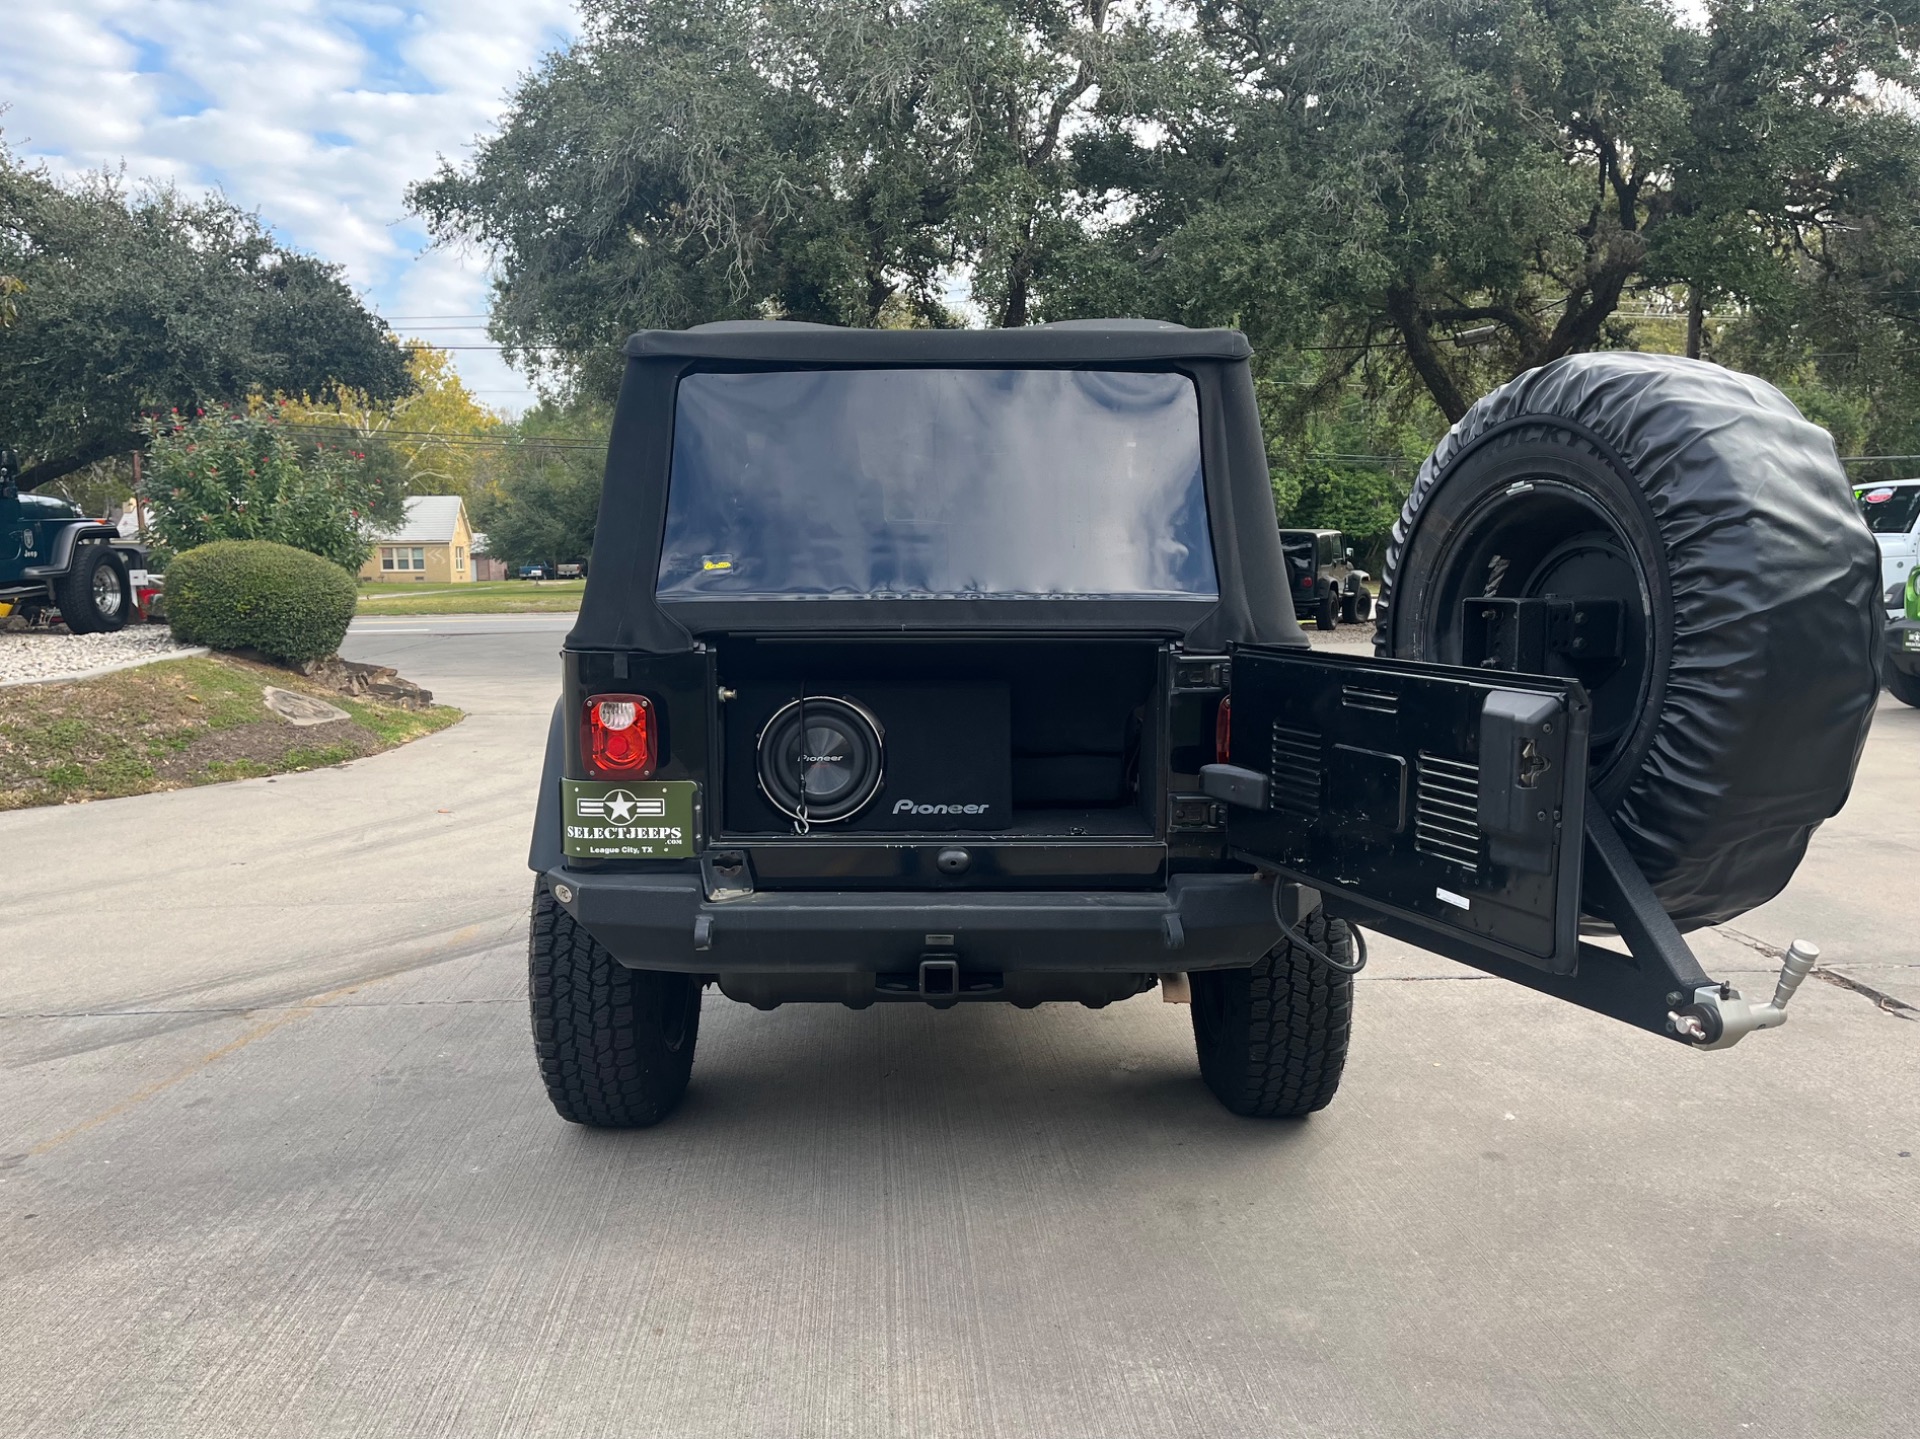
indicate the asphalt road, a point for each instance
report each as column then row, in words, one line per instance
column 274, row 1162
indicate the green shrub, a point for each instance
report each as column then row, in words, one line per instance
column 253, row 594
column 250, row 475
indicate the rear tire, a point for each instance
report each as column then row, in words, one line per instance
column 1905, row 687
column 94, row 595
column 1329, row 616
column 614, row 1045
column 1272, row 1039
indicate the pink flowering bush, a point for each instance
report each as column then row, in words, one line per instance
column 235, row 475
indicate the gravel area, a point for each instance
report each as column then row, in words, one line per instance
column 1350, row 639
column 28, row 657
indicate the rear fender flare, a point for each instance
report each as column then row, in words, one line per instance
column 547, row 850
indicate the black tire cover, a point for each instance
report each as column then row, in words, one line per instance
column 1767, row 687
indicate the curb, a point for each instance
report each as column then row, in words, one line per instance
column 186, row 654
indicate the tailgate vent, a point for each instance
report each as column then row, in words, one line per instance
column 1359, row 697
column 1446, row 812
column 1296, row 772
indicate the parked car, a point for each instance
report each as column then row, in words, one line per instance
column 1326, row 585
column 532, row 572
column 948, row 667
column 57, row 562
column 1903, row 640
column 1892, row 512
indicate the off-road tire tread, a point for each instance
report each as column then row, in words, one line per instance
column 73, row 592
column 1282, row 1041
column 598, row 1026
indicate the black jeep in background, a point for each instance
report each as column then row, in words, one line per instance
column 952, row 667
column 55, row 559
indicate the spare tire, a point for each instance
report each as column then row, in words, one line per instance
column 1730, row 725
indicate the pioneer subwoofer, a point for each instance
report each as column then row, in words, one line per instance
column 871, row 756
column 820, row 759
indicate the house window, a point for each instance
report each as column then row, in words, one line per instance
column 459, row 557
column 419, row 558
column 386, row 557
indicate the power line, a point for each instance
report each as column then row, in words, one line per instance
column 421, row 438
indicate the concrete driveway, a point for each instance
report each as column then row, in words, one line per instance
column 273, row 1161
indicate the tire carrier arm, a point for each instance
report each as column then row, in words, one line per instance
column 1658, row 985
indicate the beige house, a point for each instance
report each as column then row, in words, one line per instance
column 434, row 543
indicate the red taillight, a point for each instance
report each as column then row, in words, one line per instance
column 616, row 736
column 1306, row 582
column 1223, row 731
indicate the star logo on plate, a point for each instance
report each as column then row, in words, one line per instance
column 619, row 807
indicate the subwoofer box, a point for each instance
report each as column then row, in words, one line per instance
column 944, row 747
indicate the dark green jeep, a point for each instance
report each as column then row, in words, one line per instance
column 53, row 559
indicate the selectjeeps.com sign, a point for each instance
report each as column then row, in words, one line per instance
column 630, row 819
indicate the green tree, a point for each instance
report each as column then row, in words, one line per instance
column 1403, row 202
column 434, row 438
column 1447, row 192
column 544, row 497
column 693, row 160
column 249, row 475
column 141, row 302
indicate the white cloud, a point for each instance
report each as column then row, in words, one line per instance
column 316, row 114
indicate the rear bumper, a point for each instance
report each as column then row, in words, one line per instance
column 665, row 921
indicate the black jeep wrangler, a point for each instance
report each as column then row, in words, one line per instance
column 53, row 559
column 951, row 667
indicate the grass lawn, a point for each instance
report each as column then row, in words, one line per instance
column 179, row 723
column 485, row 597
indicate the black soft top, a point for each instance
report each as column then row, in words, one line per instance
column 1079, row 344
column 621, row 609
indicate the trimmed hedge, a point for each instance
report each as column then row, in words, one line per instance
column 253, row 594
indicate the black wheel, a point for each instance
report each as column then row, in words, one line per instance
column 1728, row 725
column 1362, row 605
column 1905, row 687
column 1329, row 615
column 1349, row 608
column 615, row 1045
column 94, row 595
column 1273, row 1039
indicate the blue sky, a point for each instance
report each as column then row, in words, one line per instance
column 317, row 115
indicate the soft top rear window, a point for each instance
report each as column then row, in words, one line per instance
column 938, row 484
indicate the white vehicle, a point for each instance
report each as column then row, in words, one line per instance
column 1892, row 512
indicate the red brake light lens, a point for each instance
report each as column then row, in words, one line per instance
column 1223, row 731
column 617, row 736
column 1306, row 582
